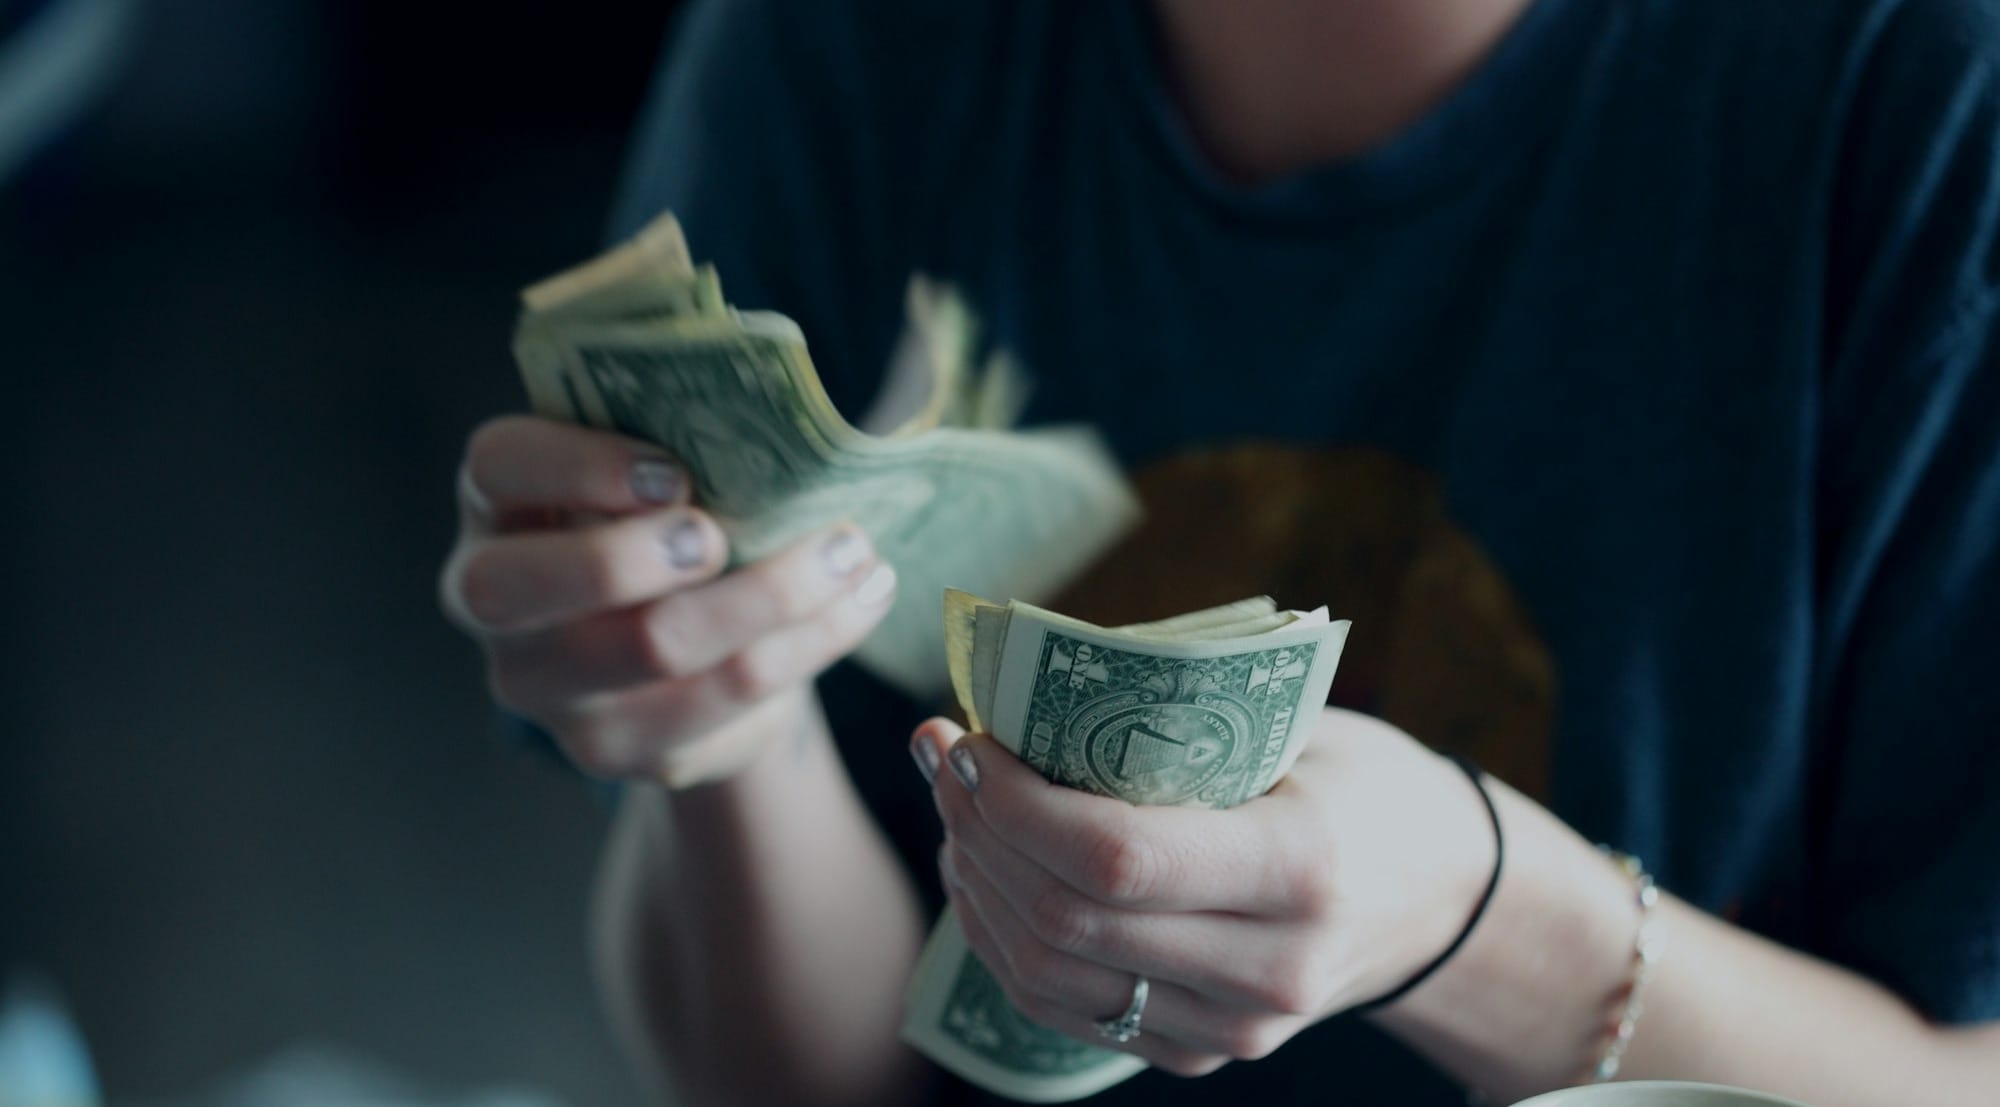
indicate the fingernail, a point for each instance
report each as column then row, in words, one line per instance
column 948, row 868
column 925, row 751
column 964, row 767
column 655, row 481
column 843, row 553
column 685, row 544
column 878, row 587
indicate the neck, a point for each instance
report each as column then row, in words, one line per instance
column 1272, row 86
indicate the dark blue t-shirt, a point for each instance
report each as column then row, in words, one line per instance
column 1639, row 403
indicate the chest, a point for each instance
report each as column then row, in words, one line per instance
column 1554, row 455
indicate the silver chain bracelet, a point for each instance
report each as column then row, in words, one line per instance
column 1646, row 948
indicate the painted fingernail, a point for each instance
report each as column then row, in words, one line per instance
column 843, row 553
column 964, row 767
column 685, row 544
column 879, row 586
column 655, row 481
column 925, row 751
column 949, row 868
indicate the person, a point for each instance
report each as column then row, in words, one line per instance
column 1626, row 371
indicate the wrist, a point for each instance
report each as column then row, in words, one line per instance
column 1436, row 852
column 771, row 773
column 745, row 749
column 1520, row 1008
column 1466, row 892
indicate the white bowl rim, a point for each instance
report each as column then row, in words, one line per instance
column 1751, row 1097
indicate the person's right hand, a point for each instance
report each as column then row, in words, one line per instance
column 596, row 591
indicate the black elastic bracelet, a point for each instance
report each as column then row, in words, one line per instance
column 1485, row 898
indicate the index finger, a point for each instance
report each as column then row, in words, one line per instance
column 1135, row 858
column 519, row 464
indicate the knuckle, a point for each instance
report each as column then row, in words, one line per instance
column 596, row 747
column 659, row 644
column 1190, row 1065
column 1120, row 869
column 1036, row 1009
column 1059, row 918
column 782, row 593
column 488, row 446
column 1037, row 971
column 1254, row 1039
column 485, row 589
column 750, row 674
column 1309, row 885
column 1284, row 990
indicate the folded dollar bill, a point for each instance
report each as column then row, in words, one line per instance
column 641, row 341
column 1207, row 709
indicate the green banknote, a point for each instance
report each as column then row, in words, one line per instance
column 1208, row 709
column 641, row 341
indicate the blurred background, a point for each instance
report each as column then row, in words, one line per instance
column 257, row 269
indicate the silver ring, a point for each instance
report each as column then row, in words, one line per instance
column 1125, row 1027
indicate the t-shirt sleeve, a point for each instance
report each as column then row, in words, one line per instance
column 1907, row 814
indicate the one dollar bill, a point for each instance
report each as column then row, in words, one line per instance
column 1208, row 709
column 641, row 341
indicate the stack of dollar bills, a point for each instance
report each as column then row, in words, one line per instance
column 1208, row 709
column 641, row 341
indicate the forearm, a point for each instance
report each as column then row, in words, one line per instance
column 1522, row 1007
column 754, row 936
column 1739, row 1009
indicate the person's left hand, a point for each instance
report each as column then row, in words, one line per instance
column 1252, row 923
